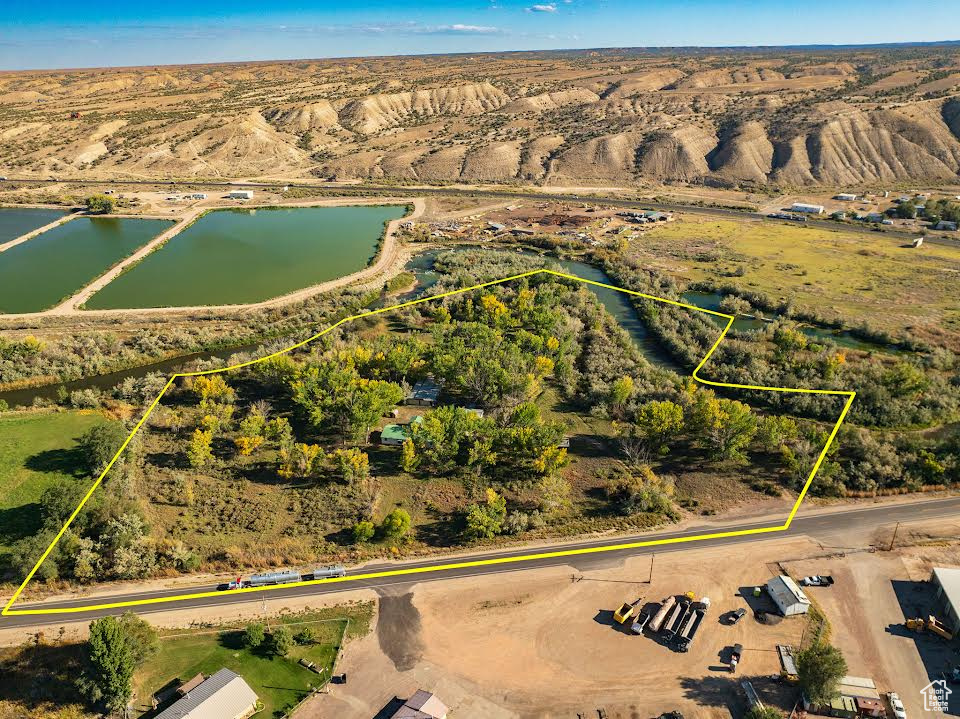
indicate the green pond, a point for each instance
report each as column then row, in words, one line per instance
column 38, row 273
column 243, row 256
column 16, row 221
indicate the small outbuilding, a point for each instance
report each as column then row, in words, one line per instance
column 425, row 393
column 394, row 435
column 788, row 597
column 240, row 195
column 804, row 207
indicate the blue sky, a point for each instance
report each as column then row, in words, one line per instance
column 61, row 33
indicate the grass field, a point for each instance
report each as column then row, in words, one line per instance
column 280, row 682
column 863, row 277
column 37, row 450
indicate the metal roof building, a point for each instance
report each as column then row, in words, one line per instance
column 788, row 597
column 396, row 434
column 425, row 393
column 224, row 695
column 422, row 705
column 947, row 582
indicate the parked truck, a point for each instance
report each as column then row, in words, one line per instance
column 286, row 576
column 623, row 613
column 640, row 622
column 735, row 655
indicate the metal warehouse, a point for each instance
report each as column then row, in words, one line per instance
column 947, row 583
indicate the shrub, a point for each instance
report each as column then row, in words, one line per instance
column 396, row 524
column 99, row 204
column 363, row 532
column 305, row 636
column 254, row 635
column 282, row 640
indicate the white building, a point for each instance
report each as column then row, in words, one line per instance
column 804, row 207
column 788, row 597
column 846, row 197
column 240, row 195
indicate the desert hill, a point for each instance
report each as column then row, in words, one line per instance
column 837, row 117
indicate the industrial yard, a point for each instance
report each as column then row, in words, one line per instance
column 546, row 643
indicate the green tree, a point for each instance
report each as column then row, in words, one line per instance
column 773, row 432
column 408, row 456
column 254, row 634
column 281, row 640
column 99, row 204
column 905, row 379
column 485, row 521
column 99, row 444
column 305, row 636
column 363, row 531
column 906, row 210
column 620, row 393
column 336, row 396
column 820, row 668
column 396, row 525
column 659, row 422
column 115, row 648
column 725, row 427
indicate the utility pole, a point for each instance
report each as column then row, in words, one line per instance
column 894, row 537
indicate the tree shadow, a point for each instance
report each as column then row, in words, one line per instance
column 16, row 523
column 70, row 462
column 919, row 600
column 727, row 691
column 40, row 674
column 389, row 709
column 763, row 603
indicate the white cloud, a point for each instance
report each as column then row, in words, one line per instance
column 548, row 7
column 469, row 29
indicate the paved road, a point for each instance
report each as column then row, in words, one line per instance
column 822, row 526
column 521, row 195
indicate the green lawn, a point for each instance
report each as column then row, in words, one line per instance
column 280, row 682
column 37, row 450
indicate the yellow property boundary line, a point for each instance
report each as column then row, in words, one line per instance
column 9, row 611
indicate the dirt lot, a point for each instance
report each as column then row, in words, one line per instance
column 543, row 644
